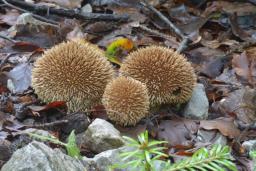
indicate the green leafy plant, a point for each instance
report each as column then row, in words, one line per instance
column 253, row 157
column 71, row 146
column 218, row 158
column 146, row 152
column 253, row 154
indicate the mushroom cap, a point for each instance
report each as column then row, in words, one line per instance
column 73, row 72
column 169, row 77
column 126, row 101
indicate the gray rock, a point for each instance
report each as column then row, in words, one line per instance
column 212, row 137
column 37, row 156
column 5, row 149
column 86, row 9
column 79, row 139
column 77, row 121
column 22, row 137
column 198, row 105
column 101, row 136
column 249, row 145
column 103, row 161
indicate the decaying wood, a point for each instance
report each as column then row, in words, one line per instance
column 44, row 10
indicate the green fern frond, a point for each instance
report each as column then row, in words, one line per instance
column 216, row 159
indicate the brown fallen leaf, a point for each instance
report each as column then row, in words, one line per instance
column 214, row 44
column 20, row 78
column 98, row 111
column 241, row 102
column 9, row 17
column 51, row 105
column 25, row 47
column 230, row 7
column 237, row 31
column 177, row 131
column 8, row 122
column 245, row 66
column 225, row 125
column 132, row 131
column 134, row 13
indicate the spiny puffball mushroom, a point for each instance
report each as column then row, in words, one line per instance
column 169, row 77
column 74, row 72
column 126, row 101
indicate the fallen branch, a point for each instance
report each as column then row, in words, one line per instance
column 7, row 38
column 34, row 15
column 184, row 42
column 46, row 125
column 43, row 10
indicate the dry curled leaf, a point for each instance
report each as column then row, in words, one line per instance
column 177, row 132
column 10, row 17
column 245, row 67
column 20, row 77
column 56, row 104
column 225, row 125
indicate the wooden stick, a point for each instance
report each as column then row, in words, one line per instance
column 42, row 10
column 55, row 123
column 184, row 42
column 55, row 24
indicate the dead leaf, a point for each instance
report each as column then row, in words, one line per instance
column 99, row 111
column 99, row 27
column 10, row 17
column 76, row 33
column 225, row 125
column 3, row 135
column 241, row 65
column 214, row 44
column 231, row 7
column 204, row 55
column 26, row 47
column 52, row 105
column 8, row 121
column 132, row 131
column 125, row 30
column 214, row 68
column 177, row 132
column 29, row 29
column 20, row 77
column 237, row 31
column 245, row 67
column 134, row 13
column 228, row 76
column 241, row 103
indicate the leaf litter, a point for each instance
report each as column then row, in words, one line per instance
column 217, row 32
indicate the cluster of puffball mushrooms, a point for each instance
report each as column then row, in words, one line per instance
column 79, row 73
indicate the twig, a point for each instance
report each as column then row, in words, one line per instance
column 183, row 45
column 5, row 60
column 171, row 25
column 157, row 33
column 7, row 38
column 42, row 10
column 47, row 124
column 34, row 15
